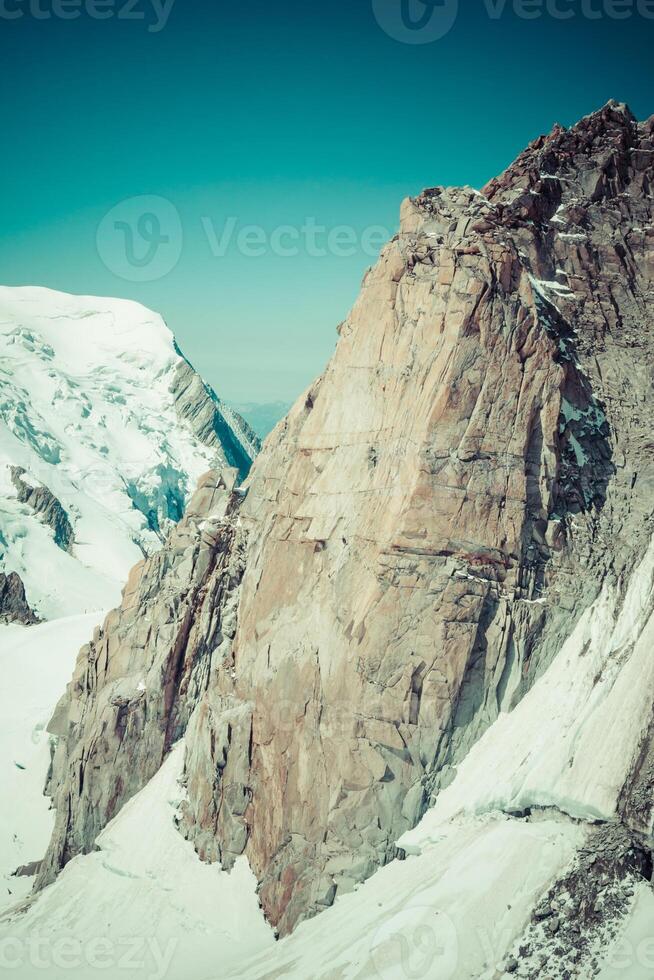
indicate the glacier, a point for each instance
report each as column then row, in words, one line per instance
column 97, row 404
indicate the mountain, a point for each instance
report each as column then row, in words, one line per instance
column 405, row 669
column 105, row 430
column 262, row 416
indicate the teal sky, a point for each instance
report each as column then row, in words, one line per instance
column 270, row 114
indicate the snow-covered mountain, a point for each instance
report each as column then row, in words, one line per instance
column 104, row 431
column 398, row 687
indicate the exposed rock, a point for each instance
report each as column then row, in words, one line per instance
column 591, row 900
column 138, row 680
column 44, row 503
column 213, row 422
column 14, row 607
column 418, row 537
column 28, row 870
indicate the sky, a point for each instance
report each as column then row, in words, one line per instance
column 236, row 165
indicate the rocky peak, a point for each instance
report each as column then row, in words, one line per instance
column 44, row 503
column 413, row 546
column 592, row 158
column 14, row 607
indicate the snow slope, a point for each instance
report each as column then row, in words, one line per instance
column 143, row 905
column 474, row 872
column 87, row 408
column 35, row 663
column 450, row 912
column 632, row 953
column 579, row 729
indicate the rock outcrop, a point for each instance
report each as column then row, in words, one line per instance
column 413, row 545
column 45, row 505
column 14, row 607
column 139, row 678
column 213, row 422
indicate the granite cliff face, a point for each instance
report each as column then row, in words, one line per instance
column 414, row 545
